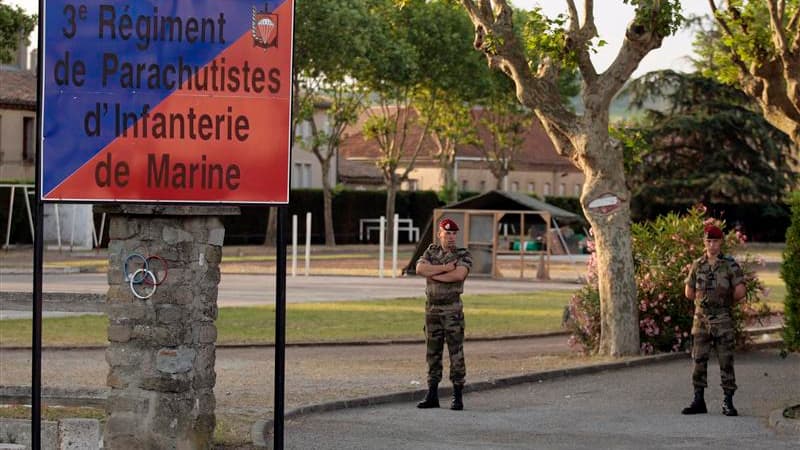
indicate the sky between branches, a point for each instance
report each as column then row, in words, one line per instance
column 611, row 17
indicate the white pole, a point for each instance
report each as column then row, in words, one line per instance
column 102, row 229
column 308, row 243
column 381, row 236
column 294, row 244
column 10, row 214
column 394, row 245
column 72, row 227
column 94, row 233
column 28, row 207
column 96, row 238
column 58, row 226
column 564, row 243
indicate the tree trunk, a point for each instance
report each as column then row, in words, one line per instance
column 449, row 178
column 327, row 203
column 272, row 227
column 611, row 228
column 391, row 195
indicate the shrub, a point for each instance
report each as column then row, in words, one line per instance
column 790, row 272
column 663, row 252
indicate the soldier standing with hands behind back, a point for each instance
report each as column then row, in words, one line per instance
column 445, row 267
column 715, row 283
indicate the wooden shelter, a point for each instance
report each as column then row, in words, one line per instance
column 500, row 224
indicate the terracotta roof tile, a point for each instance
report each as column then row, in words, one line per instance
column 17, row 88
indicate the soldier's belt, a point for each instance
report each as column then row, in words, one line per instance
column 449, row 300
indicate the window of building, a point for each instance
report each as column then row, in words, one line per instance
column 547, row 189
column 28, row 139
column 562, row 189
column 514, row 186
column 483, row 186
column 464, row 185
column 531, row 188
column 577, row 190
column 412, row 185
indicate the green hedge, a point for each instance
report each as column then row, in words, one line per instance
column 790, row 272
column 759, row 222
column 348, row 208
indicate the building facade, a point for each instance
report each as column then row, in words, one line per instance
column 17, row 124
column 535, row 168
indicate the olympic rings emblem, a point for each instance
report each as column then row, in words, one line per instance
column 149, row 273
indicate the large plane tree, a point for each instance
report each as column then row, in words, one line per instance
column 533, row 58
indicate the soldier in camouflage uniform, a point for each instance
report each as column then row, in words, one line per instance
column 445, row 267
column 715, row 283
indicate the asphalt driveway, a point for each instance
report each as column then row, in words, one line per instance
column 634, row 408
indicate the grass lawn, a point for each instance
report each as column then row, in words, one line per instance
column 776, row 289
column 486, row 315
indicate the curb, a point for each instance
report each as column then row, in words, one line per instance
column 55, row 396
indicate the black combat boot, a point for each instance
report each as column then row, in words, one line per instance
column 431, row 398
column 457, row 404
column 727, row 404
column 698, row 405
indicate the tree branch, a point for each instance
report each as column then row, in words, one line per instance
column 793, row 26
column 717, row 15
column 495, row 37
column 743, row 70
column 637, row 44
column 776, row 23
column 579, row 38
column 793, row 21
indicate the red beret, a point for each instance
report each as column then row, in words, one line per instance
column 712, row 232
column 448, row 225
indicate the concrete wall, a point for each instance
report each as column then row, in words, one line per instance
column 12, row 166
column 542, row 183
column 66, row 434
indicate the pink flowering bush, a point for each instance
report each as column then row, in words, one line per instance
column 663, row 252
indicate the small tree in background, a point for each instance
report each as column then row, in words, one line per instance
column 15, row 25
column 790, row 272
column 663, row 252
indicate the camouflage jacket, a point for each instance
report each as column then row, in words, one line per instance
column 435, row 254
column 715, row 283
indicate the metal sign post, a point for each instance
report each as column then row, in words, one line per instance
column 36, row 338
column 280, row 327
column 38, row 262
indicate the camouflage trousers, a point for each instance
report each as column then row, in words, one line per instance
column 445, row 323
column 721, row 336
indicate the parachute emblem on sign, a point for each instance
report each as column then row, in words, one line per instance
column 264, row 28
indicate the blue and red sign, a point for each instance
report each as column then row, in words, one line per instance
column 166, row 101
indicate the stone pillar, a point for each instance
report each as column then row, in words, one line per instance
column 161, row 349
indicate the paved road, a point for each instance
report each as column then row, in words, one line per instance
column 634, row 408
column 245, row 289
